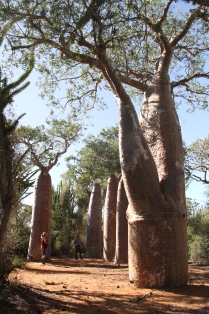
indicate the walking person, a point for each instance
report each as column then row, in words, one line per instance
column 44, row 246
column 77, row 243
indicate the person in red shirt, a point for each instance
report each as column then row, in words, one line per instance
column 44, row 246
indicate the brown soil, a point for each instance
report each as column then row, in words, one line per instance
column 93, row 286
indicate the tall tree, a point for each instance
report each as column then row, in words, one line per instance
column 121, row 245
column 93, row 164
column 9, row 163
column 67, row 221
column 109, row 227
column 197, row 161
column 136, row 44
column 46, row 146
column 94, row 226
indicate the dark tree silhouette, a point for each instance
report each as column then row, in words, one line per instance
column 8, row 168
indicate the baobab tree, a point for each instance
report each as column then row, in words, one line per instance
column 121, row 243
column 153, row 49
column 109, row 226
column 94, row 226
column 93, row 163
column 46, row 146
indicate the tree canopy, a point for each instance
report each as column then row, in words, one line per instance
column 200, row 2
column 68, row 38
column 47, row 144
column 93, row 164
column 197, row 161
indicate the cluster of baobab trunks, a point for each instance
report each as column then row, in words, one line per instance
column 115, row 228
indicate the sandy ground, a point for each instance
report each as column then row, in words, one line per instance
column 93, row 286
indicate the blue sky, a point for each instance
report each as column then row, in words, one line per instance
column 193, row 125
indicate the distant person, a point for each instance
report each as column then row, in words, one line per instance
column 77, row 243
column 44, row 246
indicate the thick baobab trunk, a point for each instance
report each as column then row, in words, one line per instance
column 94, row 227
column 157, row 223
column 109, row 229
column 121, row 247
column 41, row 215
column 151, row 157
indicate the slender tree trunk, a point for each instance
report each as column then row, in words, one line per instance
column 121, row 251
column 6, row 178
column 94, row 227
column 109, row 232
column 41, row 215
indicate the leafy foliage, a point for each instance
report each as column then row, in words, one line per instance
column 69, row 37
column 198, row 237
column 9, row 178
column 197, row 161
column 18, row 231
column 94, row 163
column 198, row 2
column 66, row 221
column 47, row 144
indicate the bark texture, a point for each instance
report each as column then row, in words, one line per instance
column 109, row 232
column 160, row 222
column 151, row 157
column 121, row 250
column 94, row 227
column 41, row 216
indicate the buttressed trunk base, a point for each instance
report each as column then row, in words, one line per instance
column 151, row 154
column 154, row 258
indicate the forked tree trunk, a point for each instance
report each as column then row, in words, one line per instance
column 121, row 247
column 157, row 221
column 151, row 157
column 94, row 227
column 109, row 229
column 41, row 216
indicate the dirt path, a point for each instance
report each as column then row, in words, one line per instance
column 92, row 286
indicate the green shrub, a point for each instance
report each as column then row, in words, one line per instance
column 17, row 262
column 198, row 237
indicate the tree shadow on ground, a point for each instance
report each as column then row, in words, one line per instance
column 20, row 299
column 102, row 291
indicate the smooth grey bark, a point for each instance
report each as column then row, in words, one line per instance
column 160, row 222
column 109, row 228
column 41, row 216
column 94, row 226
column 121, row 247
column 151, row 157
